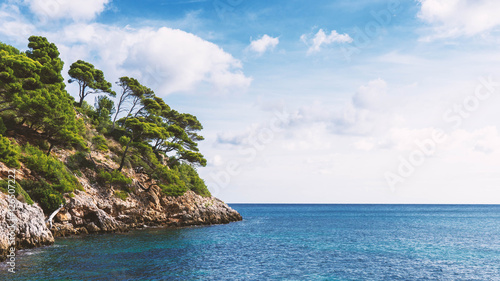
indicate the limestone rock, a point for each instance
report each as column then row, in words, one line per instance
column 30, row 228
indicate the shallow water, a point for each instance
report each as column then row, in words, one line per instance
column 289, row 242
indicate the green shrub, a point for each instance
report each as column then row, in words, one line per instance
column 116, row 133
column 137, row 161
column 193, row 181
column 99, row 142
column 87, row 110
column 124, row 140
column 78, row 161
column 113, row 178
column 50, row 169
column 143, row 156
column 43, row 193
column 171, row 184
column 121, row 194
column 173, row 189
column 145, row 151
column 3, row 128
column 44, row 145
column 9, row 152
column 4, row 187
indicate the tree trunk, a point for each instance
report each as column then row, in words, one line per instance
column 49, row 220
column 81, row 101
column 118, row 110
column 124, row 155
column 50, row 149
column 113, row 127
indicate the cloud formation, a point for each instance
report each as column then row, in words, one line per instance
column 165, row 59
column 179, row 61
column 372, row 95
column 265, row 43
column 456, row 18
column 323, row 39
column 77, row 10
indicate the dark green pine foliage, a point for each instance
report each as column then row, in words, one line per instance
column 32, row 87
column 90, row 80
column 33, row 98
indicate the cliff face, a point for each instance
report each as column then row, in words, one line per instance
column 30, row 228
column 97, row 210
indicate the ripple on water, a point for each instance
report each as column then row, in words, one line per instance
column 290, row 242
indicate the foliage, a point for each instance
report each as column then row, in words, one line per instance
column 193, row 181
column 104, row 106
column 113, row 178
column 31, row 85
column 131, row 97
column 20, row 193
column 181, row 136
column 47, row 55
column 87, row 110
column 173, row 189
column 33, row 94
column 99, row 142
column 172, row 185
column 124, row 140
column 45, row 194
column 3, row 128
column 9, row 153
column 144, row 157
column 50, row 168
column 121, row 194
column 78, row 161
column 140, row 130
column 18, row 76
column 90, row 80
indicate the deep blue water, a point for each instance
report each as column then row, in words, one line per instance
column 289, row 242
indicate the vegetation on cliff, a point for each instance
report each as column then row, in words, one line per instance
column 141, row 134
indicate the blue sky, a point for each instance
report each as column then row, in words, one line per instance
column 324, row 102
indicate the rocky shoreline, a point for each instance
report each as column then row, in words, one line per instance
column 97, row 210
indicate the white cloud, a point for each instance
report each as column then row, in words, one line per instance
column 364, row 144
column 164, row 59
column 13, row 25
column 77, row 10
column 180, row 61
column 453, row 18
column 371, row 96
column 322, row 39
column 265, row 43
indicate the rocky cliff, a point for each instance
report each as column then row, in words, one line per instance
column 29, row 226
column 98, row 210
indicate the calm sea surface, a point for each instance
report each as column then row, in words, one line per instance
column 289, row 242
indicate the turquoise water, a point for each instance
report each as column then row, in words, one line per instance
column 289, row 242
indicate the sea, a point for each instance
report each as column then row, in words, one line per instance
column 288, row 242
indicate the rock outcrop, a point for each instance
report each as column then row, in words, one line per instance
column 30, row 229
column 98, row 211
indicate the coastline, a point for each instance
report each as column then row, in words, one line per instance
column 91, row 212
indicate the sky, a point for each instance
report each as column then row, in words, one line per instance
column 326, row 102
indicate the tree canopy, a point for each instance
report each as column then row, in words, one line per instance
column 34, row 100
column 90, row 80
column 32, row 87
